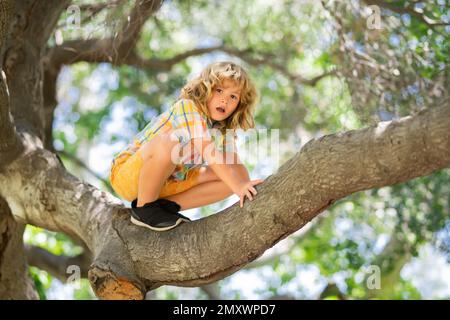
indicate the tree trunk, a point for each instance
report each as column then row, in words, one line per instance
column 14, row 280
column 24, row 29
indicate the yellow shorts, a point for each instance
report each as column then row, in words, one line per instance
column 124, row 178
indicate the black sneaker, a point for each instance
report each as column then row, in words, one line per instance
column 153, row 216
column 169, row 205
column 173, row 207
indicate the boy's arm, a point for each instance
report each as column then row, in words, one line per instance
column 235, row 163
column 240, row 168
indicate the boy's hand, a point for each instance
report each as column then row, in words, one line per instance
column 246, row 189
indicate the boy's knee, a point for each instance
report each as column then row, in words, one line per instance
column 210, row 174
column 160, row 146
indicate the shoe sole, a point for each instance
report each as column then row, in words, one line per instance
column 141, row 224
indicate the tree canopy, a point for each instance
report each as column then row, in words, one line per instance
column 357, row 89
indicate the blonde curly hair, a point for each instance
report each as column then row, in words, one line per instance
column 200, row 90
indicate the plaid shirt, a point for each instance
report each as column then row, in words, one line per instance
column 185, row 122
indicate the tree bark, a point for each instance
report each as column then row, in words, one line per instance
column 24, row 29
column 10, row 141
column 14, row 280
column 129, row 260
column 32, row 24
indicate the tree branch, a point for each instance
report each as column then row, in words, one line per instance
column 325, row 170
column 97, row 50
column 212, row 290
column 269, row 61
column 391, row 260
column 114, row 50
column 126, row 40
column 167, row 64
column 331, row 289
column 57, row 265
column 395, row 255
column 96, row 8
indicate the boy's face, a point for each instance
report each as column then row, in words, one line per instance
column 224, row 100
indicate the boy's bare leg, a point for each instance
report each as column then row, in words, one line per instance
column 202, row 194
column 156, row 168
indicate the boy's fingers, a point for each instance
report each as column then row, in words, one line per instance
column 254, row 190
column 241, row 201
column 258, row 181
column 249, row 195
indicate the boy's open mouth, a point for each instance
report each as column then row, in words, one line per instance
column 220, row 109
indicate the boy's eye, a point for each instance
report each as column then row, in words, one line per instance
column 219, row 90
column 233, row 96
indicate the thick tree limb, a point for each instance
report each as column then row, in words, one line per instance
column 57, row 266
column 101, row 50
column 114, row 50
column 129, row 260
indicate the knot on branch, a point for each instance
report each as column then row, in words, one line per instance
column 109, row 286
